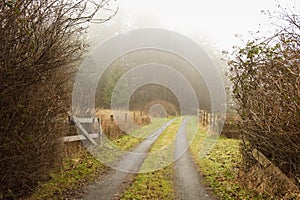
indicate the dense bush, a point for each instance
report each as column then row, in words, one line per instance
column 40, row 45
column 266, row 87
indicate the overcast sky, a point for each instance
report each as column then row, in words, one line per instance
column 217, row 20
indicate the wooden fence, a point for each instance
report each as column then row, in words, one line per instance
column 78, row 122
column 212, row 119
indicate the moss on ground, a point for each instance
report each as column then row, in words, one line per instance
column 73, row 173
column 220, row 166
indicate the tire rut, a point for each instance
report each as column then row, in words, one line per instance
column 188, row 182
column 110, row 185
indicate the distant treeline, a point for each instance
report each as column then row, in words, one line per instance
column 150, row 92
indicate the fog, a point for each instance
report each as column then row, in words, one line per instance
column 219, row 22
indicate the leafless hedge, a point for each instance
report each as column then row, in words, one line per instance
column 266, row 87
column 40, row 45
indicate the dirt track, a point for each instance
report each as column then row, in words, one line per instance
column 187, row 180
column 114, row 182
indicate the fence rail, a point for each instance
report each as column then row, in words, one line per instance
column 267, row 164
column 85, row 135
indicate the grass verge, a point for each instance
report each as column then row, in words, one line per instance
column 220, row 166
column 127, row 142
column 74, row 172
column 157, row 184
column 83, row 167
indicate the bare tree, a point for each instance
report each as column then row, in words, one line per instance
column 41, row 44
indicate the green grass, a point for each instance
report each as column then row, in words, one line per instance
column 127, row 142
column 220, row 166
column 115, row 148
column 157, row 184
column 83, row 167
column 73, row 172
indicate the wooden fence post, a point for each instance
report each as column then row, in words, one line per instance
column 266, row 163
column 100, row 130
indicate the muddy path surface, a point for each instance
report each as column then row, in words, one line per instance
column 110, row 185
column 188, row 182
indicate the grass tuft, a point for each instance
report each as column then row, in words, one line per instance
column 157, row 184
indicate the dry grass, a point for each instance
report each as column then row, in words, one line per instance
column 110, row 126
column 263, row 181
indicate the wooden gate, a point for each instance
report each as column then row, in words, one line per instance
column 84, row 133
